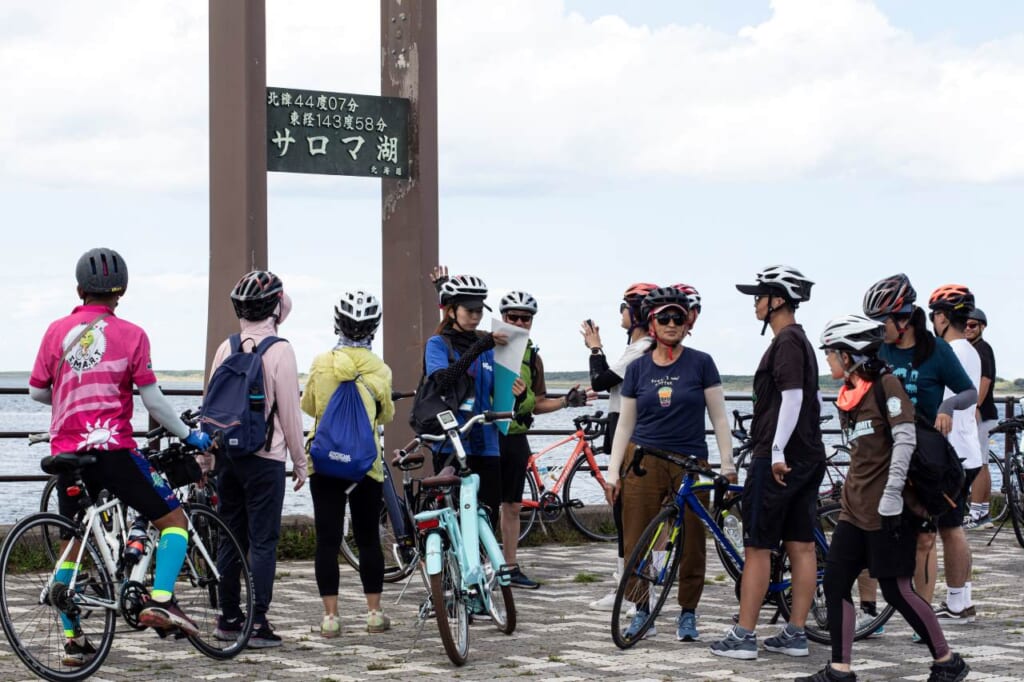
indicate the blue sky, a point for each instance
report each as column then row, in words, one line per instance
column 584, row 145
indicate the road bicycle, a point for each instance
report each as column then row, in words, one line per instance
column 581, row 476
column 653, row 565
column 106, row 583
column 1013, row 477
column 464, row 563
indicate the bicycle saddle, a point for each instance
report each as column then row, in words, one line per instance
column 65, row 462
column 447, row 477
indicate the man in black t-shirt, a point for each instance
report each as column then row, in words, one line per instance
column 988, row 417
column 787, row 465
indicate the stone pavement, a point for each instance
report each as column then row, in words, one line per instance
column 558, row 638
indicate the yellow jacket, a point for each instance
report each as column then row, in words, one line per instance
column 345, row 364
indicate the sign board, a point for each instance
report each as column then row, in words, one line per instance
column 337, row 133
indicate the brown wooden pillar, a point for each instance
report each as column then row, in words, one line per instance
column 408, row 33
column 238, row 156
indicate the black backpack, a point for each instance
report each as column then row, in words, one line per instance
column 432, row 399
column 936, row 474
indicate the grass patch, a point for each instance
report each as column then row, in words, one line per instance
column 377, row 666
column 297, row 543
column 720, row 578
column 554, row 658
column 584, row 577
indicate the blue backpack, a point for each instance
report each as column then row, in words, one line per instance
column 235, row 401
column 344, row 445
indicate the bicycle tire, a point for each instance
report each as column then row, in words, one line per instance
column 49, row 502
column 593, row 519
column 199, row 592
column 451, row 609
column 528, row 514
column 395, row 570
column 643, row 572
column 503, row 612
column 731, row 505
column 1015, row 497
column 993, row 458
column 33, row 629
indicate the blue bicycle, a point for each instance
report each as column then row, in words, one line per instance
column 464, row 563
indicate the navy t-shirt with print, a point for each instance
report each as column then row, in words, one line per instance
column 925, row 384
column 670, row 404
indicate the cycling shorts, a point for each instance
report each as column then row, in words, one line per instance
column 126, row 474
column 774, row 513
column 515, row 453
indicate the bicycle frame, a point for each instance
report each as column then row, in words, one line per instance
column 580, row 450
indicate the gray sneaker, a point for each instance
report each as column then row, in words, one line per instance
column 736, row 646
column 789, row 641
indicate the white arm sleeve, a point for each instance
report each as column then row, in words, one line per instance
column 714, row 398
column 623, row 434
column 789, row 413
column 41, row 395
column 160, row 409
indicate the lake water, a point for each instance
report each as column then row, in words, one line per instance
column 20, row 413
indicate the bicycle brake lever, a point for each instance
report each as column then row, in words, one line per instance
column 638, row 455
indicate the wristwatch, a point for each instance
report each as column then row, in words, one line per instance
column 596, row 350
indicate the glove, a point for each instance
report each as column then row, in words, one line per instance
column 575, row 397
column 891, row 526
column 890, row 508
column 198, row 440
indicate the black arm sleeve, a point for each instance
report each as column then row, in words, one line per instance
column 601, row 377
column 447, row 377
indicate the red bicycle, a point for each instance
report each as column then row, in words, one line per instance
column 581, row 477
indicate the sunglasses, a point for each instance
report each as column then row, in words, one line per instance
column 973, row 325
column 623, row 307
column 513, row 317
column 666, row 317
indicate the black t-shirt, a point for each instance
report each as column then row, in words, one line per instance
column 788, row 363
column 988, row 370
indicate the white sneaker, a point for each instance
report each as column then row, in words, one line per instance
column 605, row 603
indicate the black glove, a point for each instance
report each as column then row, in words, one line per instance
column 892, row 526
column 575, row 397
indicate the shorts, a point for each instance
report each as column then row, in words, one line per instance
column 774, row 513
column 876, row 550
column 515, row 453
column 954, row 518
column 128, row 475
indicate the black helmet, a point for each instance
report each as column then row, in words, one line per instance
column 664, row 296
column 979, row 315
column 102, row 271
column 257, row 295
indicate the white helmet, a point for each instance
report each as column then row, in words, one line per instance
column 357, row 314
column 459, row 288
column 853, row 334
column 518, row 300
column 780, row 279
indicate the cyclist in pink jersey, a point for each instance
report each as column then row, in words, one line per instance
column 86, row 367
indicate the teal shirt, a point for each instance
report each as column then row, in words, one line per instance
column 925, row 384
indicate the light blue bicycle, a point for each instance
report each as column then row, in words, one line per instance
column 461, row 551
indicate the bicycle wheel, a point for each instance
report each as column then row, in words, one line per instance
column 730, row 506
column 49, row 502
column 31, row 605
column 647, row 578
column 997, row 460
column 395, row 569
column 528, row 512
column 502, row 605
column 1015, row 497
column 585, row 501
column 214, row 556
column 450, row 609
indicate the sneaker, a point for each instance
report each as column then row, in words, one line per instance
column 228, row 629
column 377, row 621
column 827, row 674
column 264, row 637
column 636, row 623
column 736, row 646
column 329, row 626
column 953, row 670
column 947, row 616
column 916, row 639
column 78, row 651
column 164, row 615
column 982, row 523
column 686, row 627
column 519, row 579
column 605, row 603
column 863, row 619
column 788, row 641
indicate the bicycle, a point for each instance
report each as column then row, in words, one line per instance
column 105, row 584
column 455, row 539
column 582, row 477
column 652, row 566
column 1013, row 477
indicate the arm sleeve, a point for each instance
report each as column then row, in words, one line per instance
column 959, row 401
column 286, row 397
column 623, row 434
column 602, row 377
column 41, row 395
column 904, row 440
column 714, row 397
column 789, row 413
column 160, row 409
column 449, row 375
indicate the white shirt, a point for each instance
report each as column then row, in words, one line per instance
column 964, row 436
column 632, row 352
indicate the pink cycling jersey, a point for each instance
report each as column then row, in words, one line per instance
column 92, row 397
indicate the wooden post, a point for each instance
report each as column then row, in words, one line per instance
column 238, row 157
column 408, row 34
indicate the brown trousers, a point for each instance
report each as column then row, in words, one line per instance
column 642, row 499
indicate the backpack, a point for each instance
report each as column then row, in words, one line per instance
column 235, row 401
column 431, row 398
column 935, row 474
column 344, row 444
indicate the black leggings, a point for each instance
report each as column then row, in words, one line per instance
column 365, row 500
column 841, row 573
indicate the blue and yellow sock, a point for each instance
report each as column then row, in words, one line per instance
column 170, row 555
column 64, row 574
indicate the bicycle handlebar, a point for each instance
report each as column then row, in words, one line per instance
column 398, row 395
column 190, row 417
column 591, row 424
column 1011, row 425
column 487, row 417
column 689, row 463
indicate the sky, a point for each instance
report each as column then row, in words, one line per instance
column 584, row 145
